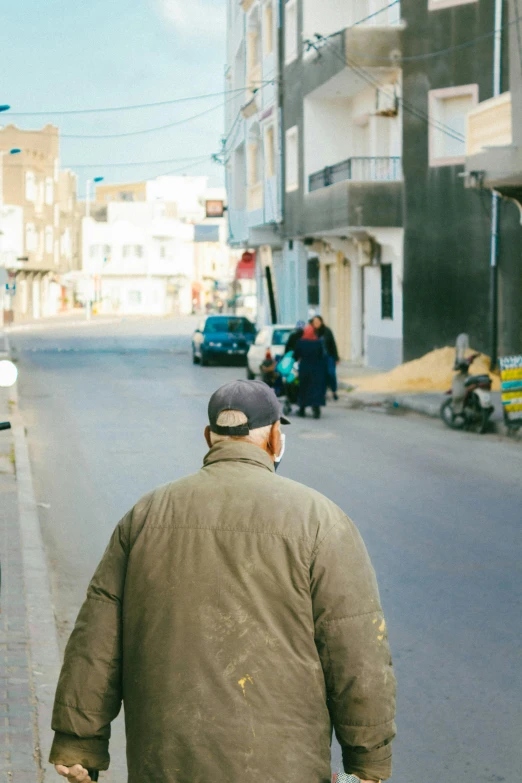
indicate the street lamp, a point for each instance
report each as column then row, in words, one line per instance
column 88, row 194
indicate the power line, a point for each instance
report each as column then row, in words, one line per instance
column 106, row 109
column 376, row 13
column 414, row 57
column 370, row 79
column 130, row 163
column 144, row 130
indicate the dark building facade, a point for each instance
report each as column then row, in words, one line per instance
column 447, row 228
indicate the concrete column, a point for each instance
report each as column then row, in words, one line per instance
column 357, row 312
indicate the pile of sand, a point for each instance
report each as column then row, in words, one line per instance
column 431, row 373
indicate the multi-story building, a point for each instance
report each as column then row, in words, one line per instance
column 44, row 198
column 252, row 146
column 343, row 183
column 379, row 232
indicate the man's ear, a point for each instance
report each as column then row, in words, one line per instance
column 274, row 441
column 207, row 436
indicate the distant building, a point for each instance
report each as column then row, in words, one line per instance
column 38, row 222
column 148, row 248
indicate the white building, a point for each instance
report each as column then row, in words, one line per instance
column 252, row 146
column 155, row 252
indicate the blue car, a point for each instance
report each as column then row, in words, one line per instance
column 220, row 337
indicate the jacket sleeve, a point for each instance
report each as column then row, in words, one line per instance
column 332, row 347
column 351, row 638
column 89, row 692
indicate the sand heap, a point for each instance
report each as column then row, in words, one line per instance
column 431, row 373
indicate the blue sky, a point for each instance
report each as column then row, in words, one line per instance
column 76, row 54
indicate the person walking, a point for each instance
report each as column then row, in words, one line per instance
column 236, row 631
column 311, row 355
column 325, row 333
column 294, row 337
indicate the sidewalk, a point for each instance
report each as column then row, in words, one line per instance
column 19, row 758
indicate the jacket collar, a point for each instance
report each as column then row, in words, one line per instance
column 239, row 451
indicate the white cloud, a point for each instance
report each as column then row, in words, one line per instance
column 196, row 18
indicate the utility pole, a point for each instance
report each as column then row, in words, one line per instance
column 495, row 199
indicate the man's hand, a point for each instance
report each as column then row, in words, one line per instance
column 76, row 774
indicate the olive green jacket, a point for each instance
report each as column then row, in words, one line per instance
column 236, row 614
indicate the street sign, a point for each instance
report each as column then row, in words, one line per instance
column 511, row 376
column 214, row 208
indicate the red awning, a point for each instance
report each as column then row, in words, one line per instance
column 246, row 268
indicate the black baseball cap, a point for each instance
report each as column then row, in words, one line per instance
column 253, row 398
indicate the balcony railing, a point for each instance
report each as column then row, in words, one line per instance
column 357, row 170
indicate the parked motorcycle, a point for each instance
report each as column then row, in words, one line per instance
column 469, row 406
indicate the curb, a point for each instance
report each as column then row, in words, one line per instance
column 403, row 402
column 43, row 637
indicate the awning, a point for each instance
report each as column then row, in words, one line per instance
column 246, row 268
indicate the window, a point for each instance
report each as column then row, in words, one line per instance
column 49, row 239
column 313, row 282
column 291, row 38
column 263, row 337
column 49, row 191
column 386, row 292
column 132, row 250
column 56, row 215
column 434, row 5
column 30, row 186
column 280, row 336
column 292, row 159
column 30, row 237
column 448, row 111
column 268, row 28
column 269, row 152
column 134, row 298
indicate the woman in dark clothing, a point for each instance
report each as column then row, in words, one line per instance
column 310, row 353
column 332, row 353
column 295, row 336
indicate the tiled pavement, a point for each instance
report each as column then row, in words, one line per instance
column 19, row 761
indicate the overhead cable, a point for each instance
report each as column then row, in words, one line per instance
column 63, row 112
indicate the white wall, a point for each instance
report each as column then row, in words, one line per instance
column 12, row 236
column 381, row 332
column 327, row 133
column 337, row 129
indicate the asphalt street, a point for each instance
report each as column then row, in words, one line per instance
column 114, row 409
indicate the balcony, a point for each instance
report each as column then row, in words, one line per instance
column 490, row 125
column 493, row 159
column 357, row 170
column 358, row 192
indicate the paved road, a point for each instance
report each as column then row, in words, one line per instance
column 113, row 410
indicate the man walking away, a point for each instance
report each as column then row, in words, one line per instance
column 236, row 631
column 326, row 334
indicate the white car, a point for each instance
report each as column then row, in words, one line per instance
column 273, row 338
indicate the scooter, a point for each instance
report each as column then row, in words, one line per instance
column 469, row 406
